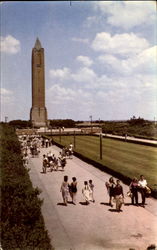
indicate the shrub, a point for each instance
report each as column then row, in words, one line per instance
column 22, row 224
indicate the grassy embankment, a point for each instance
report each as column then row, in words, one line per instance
column 126, row 158
column 134, row 127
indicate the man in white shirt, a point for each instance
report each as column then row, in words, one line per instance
column 142, row 185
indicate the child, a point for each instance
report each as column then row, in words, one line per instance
column 118, row 195
column 91, row 186
column 73, row 190
column 86, row 192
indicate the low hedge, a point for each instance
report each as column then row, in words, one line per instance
column 22, row 224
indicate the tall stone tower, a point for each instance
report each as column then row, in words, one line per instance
column 38, row 113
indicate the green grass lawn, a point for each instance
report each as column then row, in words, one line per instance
column 127, row 158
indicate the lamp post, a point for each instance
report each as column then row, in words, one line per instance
column 100, row 146
column 91, row 123
column 50, row 130
column 60, row 134
column 74, row 140
column 100, row 127
column 6, row 119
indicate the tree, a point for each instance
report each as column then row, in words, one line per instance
column 67, row 123
column 20, row 123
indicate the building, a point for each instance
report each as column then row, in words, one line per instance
column 38, row 113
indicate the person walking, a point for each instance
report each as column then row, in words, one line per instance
column 70, row 151
column 45, row 163
column 118, row 195
column 142, row 183
column 65, row 190
column 91, row 186
column 47, row 143
column 49, row 156
column 110, row 187
column 62, row 160
column 73, row 190
column 86, row 192
column 25, row 160
column 134, row 190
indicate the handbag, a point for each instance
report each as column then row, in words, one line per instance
column 148, row 190
column 129, row 194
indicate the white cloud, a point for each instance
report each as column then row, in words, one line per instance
column 143, row 63
column 127, row 14
column 6, row 96
column 84, row 75
column 9, row 44
column 92, row 20
column 131, row 80
column 85, row 60
column 147, row 61
column 60, row 74
column 67, row 100
column 116, row 91
column 80, row 40
column 124, row 44
column 137, row 70
column 62, row 94
column 4, row 91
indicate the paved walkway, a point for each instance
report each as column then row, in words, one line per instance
column 96, row 226
column 133, row 139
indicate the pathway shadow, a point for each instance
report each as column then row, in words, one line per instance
column 61, row 204
column 114, row 210
column 104, row 203
column 83, row 203
column 128, row 204
column 136, row 205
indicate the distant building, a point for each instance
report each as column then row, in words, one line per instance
column 38, row 113
column 88, row 128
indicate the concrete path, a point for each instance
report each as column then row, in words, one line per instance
column 133, row 139
column 96, row 226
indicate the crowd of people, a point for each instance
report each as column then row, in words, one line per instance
column 139, row 186
column 30, row 146
column 71, row 189
column 33, row 144
column 52, row 162
column 114, row 189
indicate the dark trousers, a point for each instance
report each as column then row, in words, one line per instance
column 143, row 195
column 134, row 196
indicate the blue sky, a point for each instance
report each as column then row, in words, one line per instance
column 100, row 58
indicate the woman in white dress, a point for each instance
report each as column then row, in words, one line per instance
column 86, row 192
column 65, row 190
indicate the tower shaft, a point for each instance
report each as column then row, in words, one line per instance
column 38, row 114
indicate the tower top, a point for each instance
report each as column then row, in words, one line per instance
column 37, row 44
